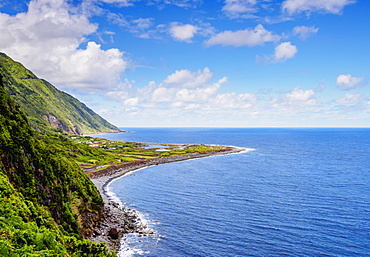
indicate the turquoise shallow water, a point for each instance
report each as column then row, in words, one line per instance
column 301, row 192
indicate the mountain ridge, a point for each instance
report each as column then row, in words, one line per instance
column 46, row 107
column 48, row 206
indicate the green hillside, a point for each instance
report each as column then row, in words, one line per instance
column 47, row 204
column 44, row 105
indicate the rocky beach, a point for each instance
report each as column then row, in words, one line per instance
column 118, row 221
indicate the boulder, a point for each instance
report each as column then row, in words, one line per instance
column 113, row 233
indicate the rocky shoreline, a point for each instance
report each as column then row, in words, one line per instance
column 118, row 221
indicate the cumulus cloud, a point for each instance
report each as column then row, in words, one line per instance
column 285, row 51
column 196, row 95
column 186, row 90
column 248, row 37
column 295, row 99
column 305, row 32
column 348, row 82
column 48, row 39
column 309, row 6
column 282, row 52
column 299, row 95
column 161, row 94
column 183, row 32
column 188, row 79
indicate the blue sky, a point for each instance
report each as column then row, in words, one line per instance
column 180, row 63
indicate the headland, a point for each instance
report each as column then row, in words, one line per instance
column 118, row 221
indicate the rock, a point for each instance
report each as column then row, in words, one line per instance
column 113, row 233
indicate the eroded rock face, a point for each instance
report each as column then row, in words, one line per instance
column 58, row 124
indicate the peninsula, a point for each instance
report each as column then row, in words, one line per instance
column 119, row 221
column 49, row 204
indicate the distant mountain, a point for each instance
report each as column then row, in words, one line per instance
column 46, row 107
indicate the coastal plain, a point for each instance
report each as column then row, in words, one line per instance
column 140, row 155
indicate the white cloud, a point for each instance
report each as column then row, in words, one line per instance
column 177, row 104
column 230, row 101
column 246, row 100
column 285, row 51
column 305, row 32
column 122, row 3
column 118, row 19
column 142, row 27
column 132, row 101
column 161, row 95
column 188, row 79
column 300, row 95
column 235, row 8
column 192, row 106
column 348, row 82
column 179, row 3
column 47, row 39
column 351, row 99
column 248, row 37
column 183, row 32
column 183, row 89
column 143, row 23
column 104, row 111
column 122, row 91
column 146, row 28
column 196, row 95
column 295, row 99
column 325, row 6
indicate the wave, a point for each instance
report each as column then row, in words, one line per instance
column 144, row 242
column 141, row 242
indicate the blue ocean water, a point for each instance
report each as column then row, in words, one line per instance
column 301, row 192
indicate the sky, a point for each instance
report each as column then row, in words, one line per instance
column 197, row 63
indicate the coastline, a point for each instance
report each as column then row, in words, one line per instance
column 118, row 221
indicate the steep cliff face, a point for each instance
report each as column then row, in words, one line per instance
column 47, row 204
column 45, row 106
column 58, row 124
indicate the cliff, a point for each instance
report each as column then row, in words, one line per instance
column 47, row 204
column 45, row 106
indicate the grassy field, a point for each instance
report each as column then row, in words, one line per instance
column 93, row 154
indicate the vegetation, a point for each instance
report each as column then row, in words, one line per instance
column 93, row 154
column 47, row 204
column 44, row 105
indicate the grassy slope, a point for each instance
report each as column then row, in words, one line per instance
column 47, row 204
column 39, row 99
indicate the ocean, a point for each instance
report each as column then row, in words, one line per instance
column 295, row 192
